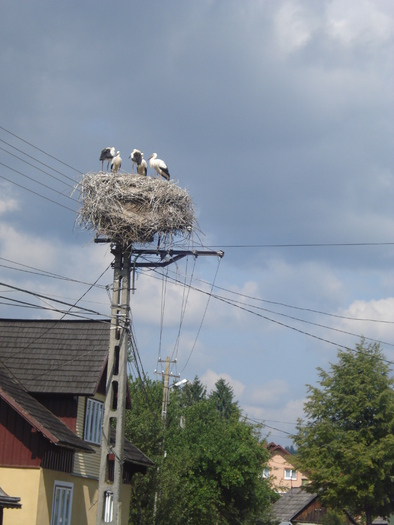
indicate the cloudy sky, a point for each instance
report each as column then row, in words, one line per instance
column 276, row 117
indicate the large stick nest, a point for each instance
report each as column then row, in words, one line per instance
column 129, row 208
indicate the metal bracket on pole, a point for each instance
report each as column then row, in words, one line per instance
column 168, row 257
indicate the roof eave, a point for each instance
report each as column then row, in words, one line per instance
column 28, row 417
column 39, row 427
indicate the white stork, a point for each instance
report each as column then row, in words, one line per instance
column 116, row 163
column 107, row 154
column 142, row 168
column 159, row 165
column 136, row 158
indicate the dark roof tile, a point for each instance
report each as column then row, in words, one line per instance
column 55, row 356
column 291, row 503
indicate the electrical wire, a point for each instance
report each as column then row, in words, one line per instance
column 185, row 300
column 39, row 168
column 38, row 182
column 242, row 307
column 35, row 193
column 311, row 310
column 302, row 245
column 45, row 297
column 162, row 310
column 203, row 317
column 238, row 303
column 44, row 273
column 40, row 150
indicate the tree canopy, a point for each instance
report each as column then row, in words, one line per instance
column 209, row 460
column 346, row 443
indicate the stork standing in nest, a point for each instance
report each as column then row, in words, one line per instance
column 159, row 165
column 107, row 154
column 137, row 157
column 116, row 163
column 142, row 168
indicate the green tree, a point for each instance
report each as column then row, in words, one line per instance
column 291, row 449
column 211, row 470
column 223, row 398
column 192, row 392
column 346, row 445
column 144, row 429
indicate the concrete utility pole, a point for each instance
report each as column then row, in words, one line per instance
column 109, row 505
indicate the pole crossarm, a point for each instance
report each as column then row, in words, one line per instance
column 168, row 257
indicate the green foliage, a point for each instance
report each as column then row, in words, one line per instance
column 346, row 445
column 291, row 449
column 223, row 398
column 191, row 393
column 211, row 472
column 334, row 517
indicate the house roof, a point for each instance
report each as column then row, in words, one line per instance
column 9, row 502
column 132, row 454
column 273, row 447
column 50, row 356
column 39, row 417
column 292, row 503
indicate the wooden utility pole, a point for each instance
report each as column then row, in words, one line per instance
column 166, row 385
column 109, row 504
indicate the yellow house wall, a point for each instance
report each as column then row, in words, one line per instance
column 24, row 484
column 277, row 465
column 35, row 488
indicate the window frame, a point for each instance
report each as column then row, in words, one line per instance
column 63, row 489
column 94, row 413
column 292, row 476
column 266, row 472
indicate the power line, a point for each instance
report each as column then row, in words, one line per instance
column 48, row 274
column 203, row 318
column 232, row 303
column 277, row 303
column 24, row 304
column 41, row 150
column 40, row 296
column 304, row 245
column 38, row 182
column 243, row 305
column 38, row 194
column 36, row 167
column 44, row 273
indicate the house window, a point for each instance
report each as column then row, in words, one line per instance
column 108, row 506
column 62, row 501
column 290, row 473
column 93, row 421
column 266, row 472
